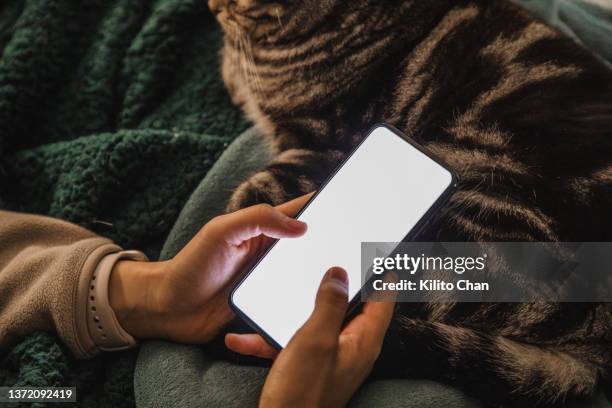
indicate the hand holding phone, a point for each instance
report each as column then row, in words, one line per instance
column 184, row 299
column 335, row 359
column 385, row 191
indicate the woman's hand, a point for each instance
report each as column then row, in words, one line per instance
column 323, row 364
column 185, row 299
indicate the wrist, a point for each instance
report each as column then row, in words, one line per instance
column 132, row 296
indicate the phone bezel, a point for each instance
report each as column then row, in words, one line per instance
column 355, row 301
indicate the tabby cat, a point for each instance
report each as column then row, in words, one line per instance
column 523, row 115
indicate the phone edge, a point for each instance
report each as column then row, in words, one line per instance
column 355, row 302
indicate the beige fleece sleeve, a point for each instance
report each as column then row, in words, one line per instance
column 46, row 267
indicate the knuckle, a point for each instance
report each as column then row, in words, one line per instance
column 366, row 348
column 333, row 294
column 316, row 342
column 214, row 225
column 263, row 210
column 323, row 344
column 216, row 220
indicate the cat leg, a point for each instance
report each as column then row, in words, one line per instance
column 293, row 173
column 493, row 368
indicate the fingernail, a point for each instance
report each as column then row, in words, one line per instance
column 339, row 275
column 296, row 224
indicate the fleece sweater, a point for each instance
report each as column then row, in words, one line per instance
column 112, row 112
column 46, row 267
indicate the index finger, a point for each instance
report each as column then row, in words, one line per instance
column 291, row 208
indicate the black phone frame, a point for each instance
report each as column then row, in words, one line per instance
column 355, row 302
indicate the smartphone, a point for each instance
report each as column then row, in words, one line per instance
column 385, row 191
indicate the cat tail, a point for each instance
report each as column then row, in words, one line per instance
column 493, row 368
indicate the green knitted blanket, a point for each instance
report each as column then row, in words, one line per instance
column 111, row 112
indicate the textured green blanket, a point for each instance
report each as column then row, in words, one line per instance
column 111, row 112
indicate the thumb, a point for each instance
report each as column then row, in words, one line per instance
column 330, row 305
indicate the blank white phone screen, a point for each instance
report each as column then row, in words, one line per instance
column 378, row 195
